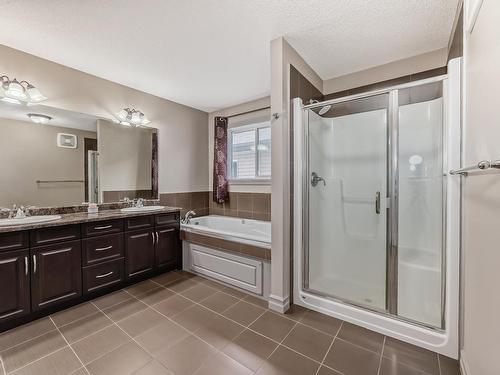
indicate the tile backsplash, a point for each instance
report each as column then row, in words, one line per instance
column 196, row 201
column 243, row 205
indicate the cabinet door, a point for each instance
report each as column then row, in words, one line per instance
column 139, row 252
column 56, row 274
column 167, row 249
column 14, row 285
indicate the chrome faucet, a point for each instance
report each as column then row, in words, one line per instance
column 187, row 218
column 139, row 202
column 20, row 212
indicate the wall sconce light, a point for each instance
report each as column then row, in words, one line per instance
column 13, row 91
column 132, row 117
column 39, row 119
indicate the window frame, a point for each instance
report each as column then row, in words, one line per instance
column 257, row 180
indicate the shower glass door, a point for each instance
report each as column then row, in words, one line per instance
column 347, row 178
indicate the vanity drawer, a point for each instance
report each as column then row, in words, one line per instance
column 103, row 275
column 139, row 222
column 167, row 219
column 51, row 235
column 102, row 227
column 13, row 241
column 102, row 248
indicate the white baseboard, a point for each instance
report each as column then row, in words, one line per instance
column 279, row 304
column 464, row 367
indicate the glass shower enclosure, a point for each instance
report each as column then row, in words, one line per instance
column 373, row 202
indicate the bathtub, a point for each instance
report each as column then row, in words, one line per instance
column 233, row 251
column 250, row 232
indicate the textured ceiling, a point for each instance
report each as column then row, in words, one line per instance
column 211, row 54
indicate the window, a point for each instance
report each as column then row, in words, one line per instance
column 249, row 152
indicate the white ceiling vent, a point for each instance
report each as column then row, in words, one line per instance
column 67, row 140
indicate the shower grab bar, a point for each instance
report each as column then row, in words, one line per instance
column 482, row 165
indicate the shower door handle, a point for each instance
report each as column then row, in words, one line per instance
column 377, row 202
column 315, row 179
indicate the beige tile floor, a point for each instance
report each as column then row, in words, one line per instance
column 178, row 323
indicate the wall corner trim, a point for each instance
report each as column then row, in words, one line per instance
column 279, row 304
column 464, row 366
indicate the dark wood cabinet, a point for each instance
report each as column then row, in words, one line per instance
column 46, row 236
column 100, row 228
column 139, row 252
column 56, row 274
column 13, row 241
column 14, row 285
column 102, row 248
column 167, row 247
column 52, row 267
column 103, row 275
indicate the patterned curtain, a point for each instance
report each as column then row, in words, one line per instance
column 220, row 184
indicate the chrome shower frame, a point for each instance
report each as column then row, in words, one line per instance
column 304, row 292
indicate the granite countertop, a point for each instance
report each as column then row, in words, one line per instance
column 84, row 217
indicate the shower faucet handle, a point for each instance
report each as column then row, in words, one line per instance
column 315, row 179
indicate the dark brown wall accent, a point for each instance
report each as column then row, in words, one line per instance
column 388, row 83
column 457, row 43
column 244, row 205
column 234, row 247
column 196, row 201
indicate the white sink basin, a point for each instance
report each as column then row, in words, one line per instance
column 28, row 220
column 142, row 209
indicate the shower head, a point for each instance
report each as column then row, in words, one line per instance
column 324, row 109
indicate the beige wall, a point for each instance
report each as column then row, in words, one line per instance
column 481, row 347
column 282, row 56
column 125, row 156
column 183, row 132
column 395, row 69
column 235, row 121
column 29, row 152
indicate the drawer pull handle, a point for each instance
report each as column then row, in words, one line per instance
column 34, row 264
column 103, row 227
column 104, row 248
column 25, row 266
column 104, row 275
column 169, row 230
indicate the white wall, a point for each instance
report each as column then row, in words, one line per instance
column 183, row 132
column 234, row 121
column 282, row 56
column 481, row 209
column 395, row 69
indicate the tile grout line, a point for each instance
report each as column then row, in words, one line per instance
column 67, row 343
column 218, row 351
column 36, row 360
column 381, row 356
column 329, row 348
column 3, row 366
column 27, row 340
column 126, row 333
column 245, row 328
column 279, row 344
column 147, row 351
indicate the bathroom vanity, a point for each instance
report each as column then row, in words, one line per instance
column 49, row 266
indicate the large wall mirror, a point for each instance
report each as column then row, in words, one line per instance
column 52, row 157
